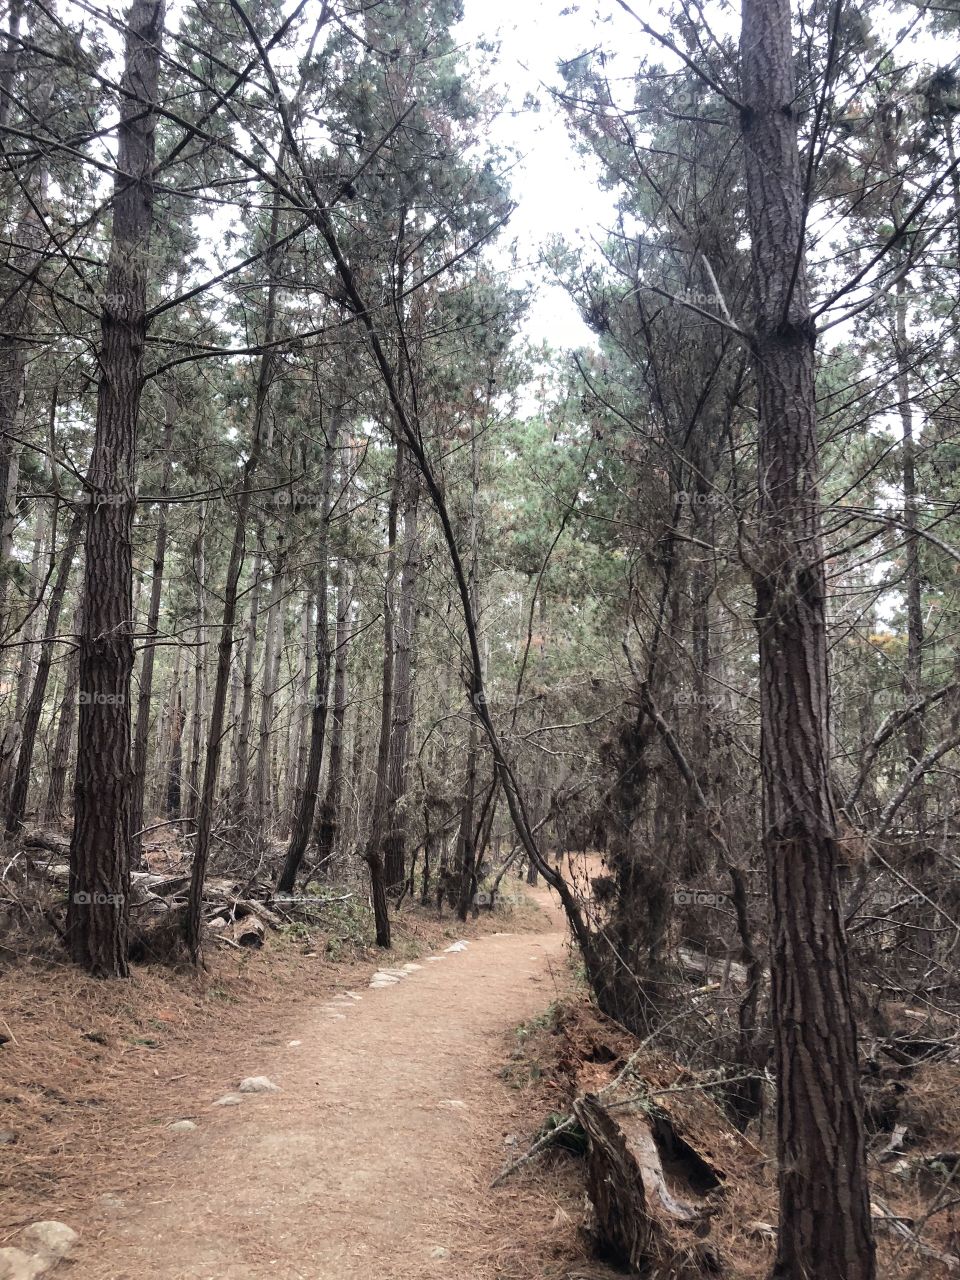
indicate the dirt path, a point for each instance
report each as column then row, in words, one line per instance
column 373, row 1160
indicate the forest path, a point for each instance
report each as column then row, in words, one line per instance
column 374, row 1159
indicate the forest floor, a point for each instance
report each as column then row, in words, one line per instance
column 373, row 1158
column 396, row 1105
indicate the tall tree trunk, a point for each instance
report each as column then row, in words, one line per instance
column 263, row 777
column 215, row 737
column 98, row 905
column 198, row 706
column 296, row 736
column 239, row 797
column 913, row 668
column 395, row 836
column 16, row 309
column 825, row 1230
column 31, row 629
column 141, row 734
column 60, row 757
column 466, row 852
column 307, row 802
column 373, row 853
column 328, row 819
column 892, row 147
column 173, row 794
column 17, row 801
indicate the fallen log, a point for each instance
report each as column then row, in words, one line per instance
column 163, row 886
column 644, row 1218
column 697, row 964
column 884, row 1219
column 237, row 909
column 248, row 931
column 48, row 843
column 908, row 1050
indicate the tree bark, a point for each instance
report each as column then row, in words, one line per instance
column 173, row 792
column 215, row 736
column 300, row 697
column 373, row 854
column 98, row 904
column 307, row 803
column 60, row 757
column 141, row 735
column 328, row 819
column 466, row 853
column 263, row 776
column 39, row 575
column 242, row 737
column 197, row 712
column 825, row 1229
column 395, row 836
column 17, row 801
column 16, row 311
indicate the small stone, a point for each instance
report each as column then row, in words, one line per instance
column 411, row 967
column 396, row 974
column 457, row 946
column 354, row 996
column 293, row 1044
column 438, row 1251
column 454, row 1104
column 337, row 1017
column 433, row 959
column 182, row 1126
column 258, row 1084
column 51, row 1239
column 7, row 1137
column 112, row 1204
column 17, row 1265
column 228, row 1100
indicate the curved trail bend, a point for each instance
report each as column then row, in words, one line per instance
column 373, row 1161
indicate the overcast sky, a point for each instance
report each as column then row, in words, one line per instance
column 556, row 193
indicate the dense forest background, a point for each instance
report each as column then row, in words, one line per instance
column 316, row 567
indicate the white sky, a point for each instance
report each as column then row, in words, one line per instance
column 555, row 190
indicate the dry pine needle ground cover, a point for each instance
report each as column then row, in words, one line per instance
column 92, row 1071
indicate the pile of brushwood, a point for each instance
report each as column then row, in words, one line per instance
column 674, row 1188
column 238, row 911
